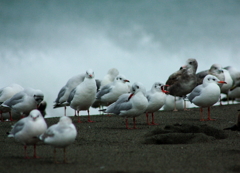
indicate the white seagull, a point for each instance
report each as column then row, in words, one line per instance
column 73, row 82
column 6, row 93
column 130, row 105
column 28, row 129
column 110, row 92
column 206, row 94
column 83, row 96
column 23, row 102
column 156, row 99
column 60, row 135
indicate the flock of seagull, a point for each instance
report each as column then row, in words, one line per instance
column 113, row 95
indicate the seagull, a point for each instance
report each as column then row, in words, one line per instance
column 225, row 89
column 183, row 81
column 215, row 70
column 60, row 135
column 73, row 82
column 206, row 94
column 235, row 74
column 83, row 96
column 110, row 92
column 23, row 102
column 28, row 129
column 156, row 99
column 6, row 93
column 170, row 104
column 130, row 105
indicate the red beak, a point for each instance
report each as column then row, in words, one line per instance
column 222, row 82
column 126, row 80
column 130, row 97
column 164, row 91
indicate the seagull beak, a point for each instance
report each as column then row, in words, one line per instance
column 130, row 97
column 126, row 80
column 164, row 91
column 223, row 82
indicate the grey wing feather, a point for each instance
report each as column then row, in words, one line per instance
column 196, row 92
column 14, row 100
column 121, row 104
column 16, row 128
column 104, row 90
column 60, row 94
column 71, row 95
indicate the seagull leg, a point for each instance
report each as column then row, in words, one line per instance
column 153, row 123
column 78, row 117
column 64, row 151
column 54, row 155
column 175, row 104
column 35, row 153
column 209, row 115
column 65, row 111
column 201, row 114
column 147, row 118
column 25, row 152
column 185, row 104
column 89, row 120
column 134, row 123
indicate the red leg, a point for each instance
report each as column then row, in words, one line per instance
column 153, row 123
column 25, row 152
column 209, row 115
column 147, row 119
column 35, row 152
column 79, row 121
column 134, row 123
column 89, row 120
column 201, row 114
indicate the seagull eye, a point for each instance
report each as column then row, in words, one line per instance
column 190, row 62
column 214, row 79
column 120, row 78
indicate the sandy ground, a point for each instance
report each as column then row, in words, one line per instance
column 180, row 143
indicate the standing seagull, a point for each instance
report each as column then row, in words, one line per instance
column 130, row 105
column 60, row 135
column 61, row 100
column 23, row 102
column 83, row 96
column 110, row 92
column 27, row 130
column 183, row 81
column 156, row 99
column 6, row 93
column 206, row 94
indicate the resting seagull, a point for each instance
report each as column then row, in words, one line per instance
column 130, row 105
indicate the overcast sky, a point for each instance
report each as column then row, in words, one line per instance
column 44, row 43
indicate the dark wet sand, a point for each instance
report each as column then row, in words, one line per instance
column 185, row 145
